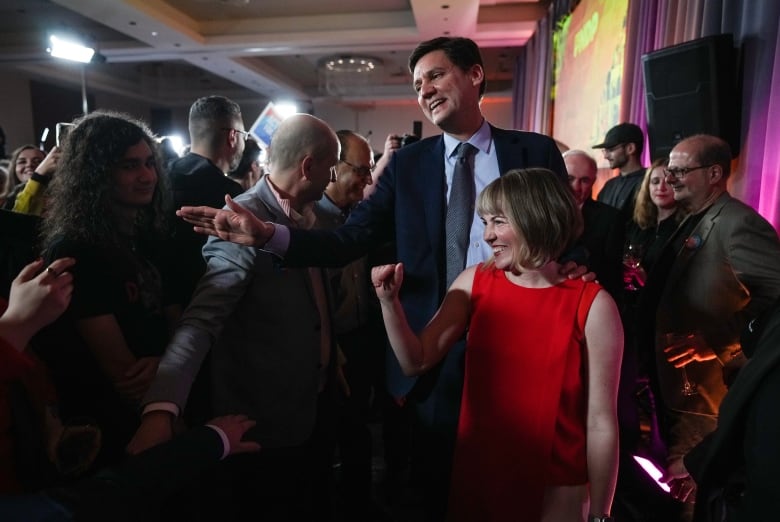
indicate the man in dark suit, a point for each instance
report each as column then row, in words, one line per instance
column 604, row 230
column 409, row 207
column 217, row 143
column 735, row 467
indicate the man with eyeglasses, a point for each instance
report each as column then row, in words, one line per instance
column 358, row 328
column 198, row 178
column 623, row 146
column 718, row 271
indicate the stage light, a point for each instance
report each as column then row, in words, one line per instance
column 68, row 49
column 177, row 142
column 285, row 109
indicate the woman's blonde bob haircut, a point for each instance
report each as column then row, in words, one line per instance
column 541, row 210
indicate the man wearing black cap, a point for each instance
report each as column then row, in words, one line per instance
column 623, row 150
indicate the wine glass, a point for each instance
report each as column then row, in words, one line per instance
column 689, row 388
column 632, row 260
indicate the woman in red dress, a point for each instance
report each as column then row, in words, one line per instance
column 537, row 436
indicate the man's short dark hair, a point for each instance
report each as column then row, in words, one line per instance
column 463, row 52
column 211, row 114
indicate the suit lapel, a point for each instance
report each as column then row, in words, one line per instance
column 511, row 153
column 277, row 215
column 695, row 242
column 432, row 185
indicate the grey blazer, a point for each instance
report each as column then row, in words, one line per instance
column 726, row 273
column 262, row 321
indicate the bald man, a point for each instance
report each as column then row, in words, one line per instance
column 270, row 335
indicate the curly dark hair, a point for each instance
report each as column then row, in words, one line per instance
column 81, row 206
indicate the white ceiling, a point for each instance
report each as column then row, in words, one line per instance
column 172, row 51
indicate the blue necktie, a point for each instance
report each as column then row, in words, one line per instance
column 460, row 211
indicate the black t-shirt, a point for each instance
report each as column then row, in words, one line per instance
column 126, row 283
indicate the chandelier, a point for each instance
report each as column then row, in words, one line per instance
column 347, row 75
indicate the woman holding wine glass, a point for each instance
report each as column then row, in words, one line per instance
column 656, row 217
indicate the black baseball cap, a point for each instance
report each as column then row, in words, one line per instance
column 622, row 133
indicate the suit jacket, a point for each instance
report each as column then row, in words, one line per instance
column 741, row 454
column 603, row 237
column 725, row 274
column 195, row 180
column 263, row 322
column 409, row 207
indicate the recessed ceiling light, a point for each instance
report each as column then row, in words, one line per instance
column 154, row 33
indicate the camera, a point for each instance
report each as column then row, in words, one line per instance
column 408, row 139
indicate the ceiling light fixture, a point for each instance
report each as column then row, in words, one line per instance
column 345, row 75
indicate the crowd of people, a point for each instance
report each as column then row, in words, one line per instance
column 165, row 357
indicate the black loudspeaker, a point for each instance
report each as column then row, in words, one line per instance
column 691, row 88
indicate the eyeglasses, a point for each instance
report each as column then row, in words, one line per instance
column 681, row 172
column 359, row 169
column 245, row 134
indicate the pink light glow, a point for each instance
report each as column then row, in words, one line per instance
column 653, row 471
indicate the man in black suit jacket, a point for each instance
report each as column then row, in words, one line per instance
column 217, row 143
column 735, row 467
column 408, row 207
column 604, row 229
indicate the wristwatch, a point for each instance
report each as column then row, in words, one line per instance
column 600, row 518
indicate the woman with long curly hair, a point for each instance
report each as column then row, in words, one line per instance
column 107, row 208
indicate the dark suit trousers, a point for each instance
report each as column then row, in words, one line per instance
column 437, row 396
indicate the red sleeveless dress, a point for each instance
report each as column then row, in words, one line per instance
column 522, row 418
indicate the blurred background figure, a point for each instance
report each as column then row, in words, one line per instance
column 24, row 161
column 249, row 170
column 168, row 152
column 29, row 196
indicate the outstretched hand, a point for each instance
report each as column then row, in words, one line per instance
column 235, row 224
column 387, row 280
column 234, row 427
column 683, row 349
